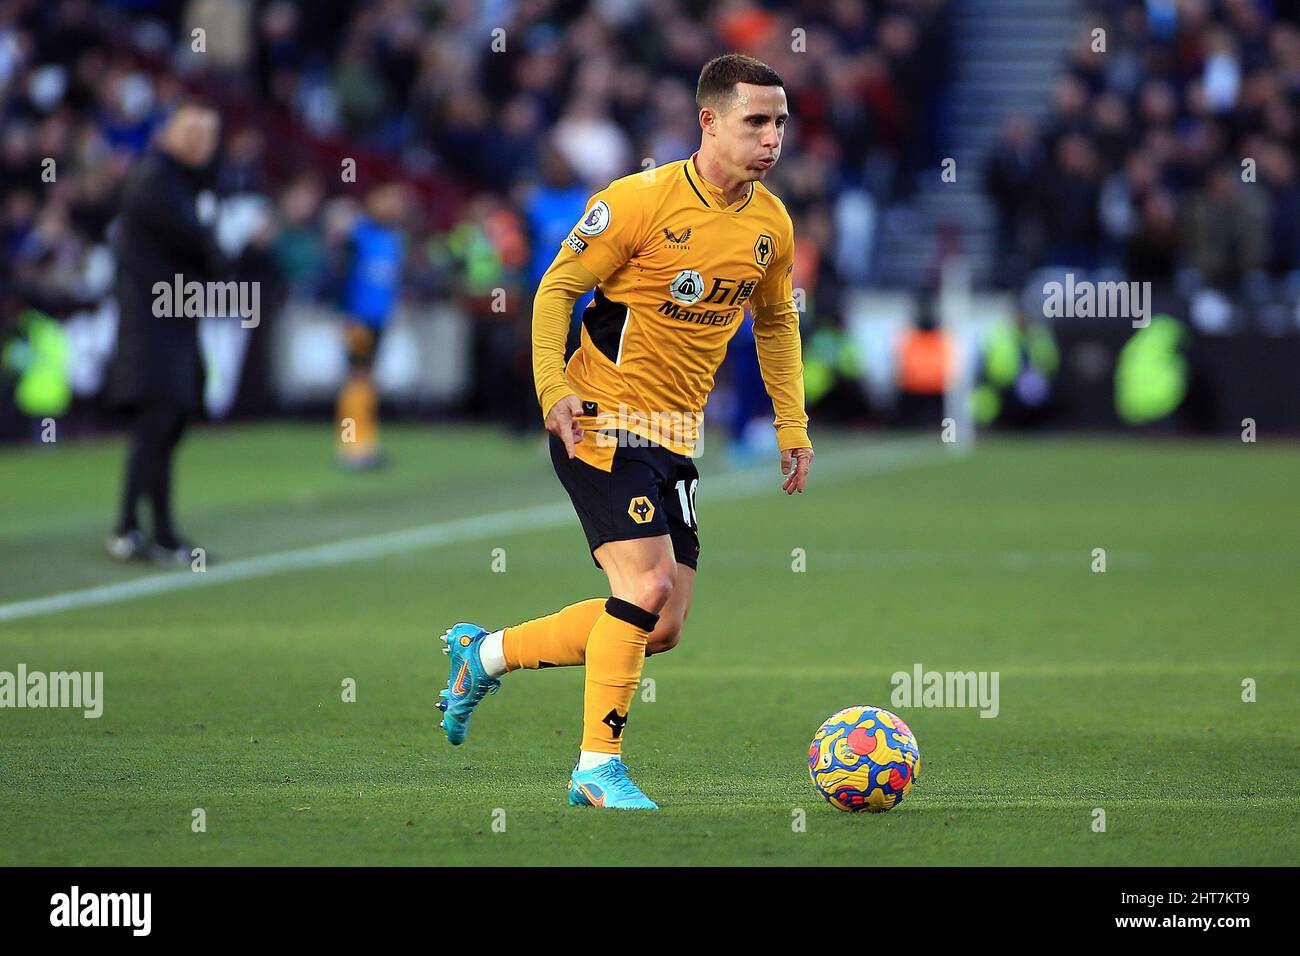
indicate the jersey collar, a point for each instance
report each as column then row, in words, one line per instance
column 709, row 194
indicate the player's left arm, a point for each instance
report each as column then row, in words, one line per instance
column 780, row 359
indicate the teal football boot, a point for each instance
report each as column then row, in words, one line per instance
column 609, row 786
column 468, row 683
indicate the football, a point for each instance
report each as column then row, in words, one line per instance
column 864, row 758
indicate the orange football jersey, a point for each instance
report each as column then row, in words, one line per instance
column 675, row 269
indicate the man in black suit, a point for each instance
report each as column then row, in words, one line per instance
column 157, row 371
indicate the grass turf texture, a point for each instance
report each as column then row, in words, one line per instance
column 1119, row 690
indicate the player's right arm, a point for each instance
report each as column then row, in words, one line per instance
column 603, row 240
column 562, row 285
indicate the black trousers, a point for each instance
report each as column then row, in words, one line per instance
column 156, row 430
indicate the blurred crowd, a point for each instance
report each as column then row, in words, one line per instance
column 497, row 117
column 1169, row 151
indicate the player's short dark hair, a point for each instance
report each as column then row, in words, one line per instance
column 720, row 75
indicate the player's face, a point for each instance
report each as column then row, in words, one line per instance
column 750, row 130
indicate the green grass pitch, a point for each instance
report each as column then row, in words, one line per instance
column 1120, row 691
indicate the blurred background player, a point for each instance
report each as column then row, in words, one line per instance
column 550, row 209
column 156, row 375
column 371, row 288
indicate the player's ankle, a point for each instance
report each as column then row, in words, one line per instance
column 590, row 759
column 492, row 654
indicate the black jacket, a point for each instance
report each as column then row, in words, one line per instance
column 159, row 235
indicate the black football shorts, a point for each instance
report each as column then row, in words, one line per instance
column 648, row 491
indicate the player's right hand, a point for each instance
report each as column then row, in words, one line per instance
column 562, row 422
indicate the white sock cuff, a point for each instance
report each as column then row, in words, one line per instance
column 587, row 759
column 492, row 653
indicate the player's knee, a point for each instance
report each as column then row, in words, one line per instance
column 655, row 588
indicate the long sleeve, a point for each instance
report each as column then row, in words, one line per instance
column 780, row 359
column 780, row 352
column 564, row 282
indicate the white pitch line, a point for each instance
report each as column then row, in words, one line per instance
column 724, row 487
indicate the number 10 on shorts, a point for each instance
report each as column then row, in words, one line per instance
column 687, row 499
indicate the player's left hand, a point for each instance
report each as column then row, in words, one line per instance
column 797, row 476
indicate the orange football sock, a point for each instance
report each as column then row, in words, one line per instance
column 615, row 653
column 557, row 640
column 358, row 402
